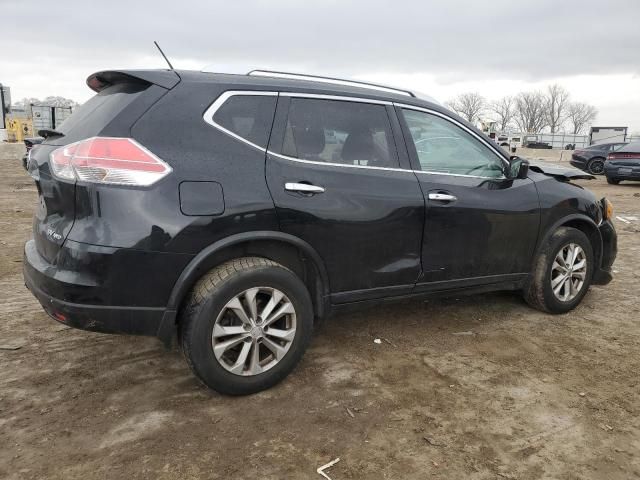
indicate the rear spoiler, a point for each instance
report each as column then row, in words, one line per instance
column 163, row 78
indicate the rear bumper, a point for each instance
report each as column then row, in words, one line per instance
column 58, row 291
column 629, row 172
column 578, row 162
column 603, row 274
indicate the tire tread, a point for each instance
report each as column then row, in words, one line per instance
column 204, row 288
column 534, row 290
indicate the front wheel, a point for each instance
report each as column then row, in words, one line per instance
column 246, row 325
column 562, row 272
column 612, row 181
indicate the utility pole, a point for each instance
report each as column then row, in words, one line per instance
column 3, row 125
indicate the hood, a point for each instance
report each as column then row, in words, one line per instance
column 561, row 172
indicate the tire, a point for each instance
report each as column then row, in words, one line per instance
column 208, row 305
column 596, row 166
column 539, row 292
column 612, row 181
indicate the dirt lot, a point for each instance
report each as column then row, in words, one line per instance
column 525, row 395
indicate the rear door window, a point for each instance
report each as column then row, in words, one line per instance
column 248, row 116
column 343, row 132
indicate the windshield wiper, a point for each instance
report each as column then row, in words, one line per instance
column 49, row 132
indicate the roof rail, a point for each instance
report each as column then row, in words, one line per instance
column 337, row 81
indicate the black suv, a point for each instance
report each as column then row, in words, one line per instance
column 234, row 211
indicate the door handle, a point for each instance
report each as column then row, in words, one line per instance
column 443, row 197
column 303, row 188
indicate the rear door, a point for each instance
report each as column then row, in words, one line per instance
column 480, row 226
column 340, row 183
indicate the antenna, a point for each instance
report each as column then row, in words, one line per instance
column 162, row 53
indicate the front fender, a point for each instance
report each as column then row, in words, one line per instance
column 581, row 222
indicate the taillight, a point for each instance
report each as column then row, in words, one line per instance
column 121, row 161
column 622, row 155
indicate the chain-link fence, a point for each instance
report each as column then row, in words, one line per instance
column 554, row 140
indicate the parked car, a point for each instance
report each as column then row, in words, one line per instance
column 532, row 141
column 623, row 164
column 29, row 143
column 212, row 208
column 591, row 159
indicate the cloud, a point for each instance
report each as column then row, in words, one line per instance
column 453, row 42
column 531, row 40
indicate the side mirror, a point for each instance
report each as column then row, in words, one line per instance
column 518, row 167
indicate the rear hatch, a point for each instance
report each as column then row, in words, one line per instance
column 624, row 162
column 121, row 99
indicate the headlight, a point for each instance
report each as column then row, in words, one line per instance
column 607, row 209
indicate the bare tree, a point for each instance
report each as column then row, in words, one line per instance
column 57, row 101
column 53, row 101
column 468, row 105
column 25, row 102
column 580, row 115
column 504, row 111
column 556, row 103
column 530, row 111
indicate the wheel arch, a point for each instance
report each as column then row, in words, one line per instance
column 586, row 225
column 287, row 250
column 588, row 163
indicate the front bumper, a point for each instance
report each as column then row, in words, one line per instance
column 603, row 274
column 83, row 299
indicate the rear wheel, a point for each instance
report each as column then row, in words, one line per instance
column 246, row 325
column 562, row 272
column 596, row 166
column 612, row 181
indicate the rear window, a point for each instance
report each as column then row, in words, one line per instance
column 101, row 109
column 248, row 116
column 630, row 147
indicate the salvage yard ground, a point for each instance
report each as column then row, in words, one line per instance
column 479, row 387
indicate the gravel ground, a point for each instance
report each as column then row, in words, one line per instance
column 478, row 387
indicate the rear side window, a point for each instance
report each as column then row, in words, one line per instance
column 248, row 116
column 335, row 131
column 96, row 113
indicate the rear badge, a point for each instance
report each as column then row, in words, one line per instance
column 53, row 234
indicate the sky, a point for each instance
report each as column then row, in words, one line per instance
column 441, row 48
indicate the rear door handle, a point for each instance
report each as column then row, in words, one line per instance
column 303, row 188
column 443, row 197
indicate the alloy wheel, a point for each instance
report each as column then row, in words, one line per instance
column 568, row 272
column 254, row 331
column 596, row 167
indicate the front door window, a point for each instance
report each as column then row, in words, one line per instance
column 443, row 147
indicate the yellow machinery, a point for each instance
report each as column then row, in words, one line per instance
column 18, row 129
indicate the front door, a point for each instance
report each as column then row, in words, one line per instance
column 481, row 227
column 335, row 176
